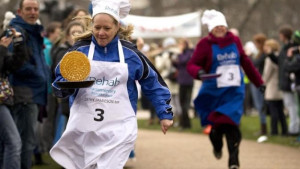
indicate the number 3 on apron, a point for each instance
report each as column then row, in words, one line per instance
column 231, row 76
column 102, row 123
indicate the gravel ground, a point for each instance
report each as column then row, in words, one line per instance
column 177, row 150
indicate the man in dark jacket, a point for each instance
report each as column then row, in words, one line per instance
column 30, row 81
column 290, row 101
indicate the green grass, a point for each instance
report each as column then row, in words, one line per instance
column 249, row 127
column 50, row 163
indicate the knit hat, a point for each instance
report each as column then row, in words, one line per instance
column 116, row 8
column 8, row 16
column 213, row 18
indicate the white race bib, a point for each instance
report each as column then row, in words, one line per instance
column 231, row 76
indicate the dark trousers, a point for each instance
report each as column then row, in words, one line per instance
column 248, row 100
column 25, row 116
column 185, row 94
column 277, row 114
column 233, row 138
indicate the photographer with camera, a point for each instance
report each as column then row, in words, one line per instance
column 10, row 141
column 29, row 82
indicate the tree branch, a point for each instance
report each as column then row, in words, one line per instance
column 248, row 15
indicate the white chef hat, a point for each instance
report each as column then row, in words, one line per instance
column 116, row 8
column 8, row 16
column 168, row 42
column 213, row 18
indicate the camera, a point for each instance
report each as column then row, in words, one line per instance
column 8, row 33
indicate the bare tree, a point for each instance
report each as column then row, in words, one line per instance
column 157, row 5
column 248, row 15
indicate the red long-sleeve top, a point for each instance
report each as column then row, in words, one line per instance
column 202, row 59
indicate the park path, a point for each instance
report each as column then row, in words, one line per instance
column 177, row 150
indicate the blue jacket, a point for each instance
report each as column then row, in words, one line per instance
column 139, row 68
column 47, row 49
column 48, row 59
column 30, row 81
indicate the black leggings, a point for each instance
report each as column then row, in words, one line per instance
column 233, row 138
column 277, row 115
column 185, row 94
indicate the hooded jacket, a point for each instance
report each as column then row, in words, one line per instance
column 30, row 81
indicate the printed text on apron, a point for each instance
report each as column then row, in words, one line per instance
column 102, row 125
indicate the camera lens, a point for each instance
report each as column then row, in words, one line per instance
column 9, row 33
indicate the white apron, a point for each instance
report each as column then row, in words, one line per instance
column 102, row 126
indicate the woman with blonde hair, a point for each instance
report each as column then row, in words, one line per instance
column 102, row 128
column 79, row 15
column 273, row 95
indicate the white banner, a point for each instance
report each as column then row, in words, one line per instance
column 186, row 25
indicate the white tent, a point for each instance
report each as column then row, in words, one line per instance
column 186, row 25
